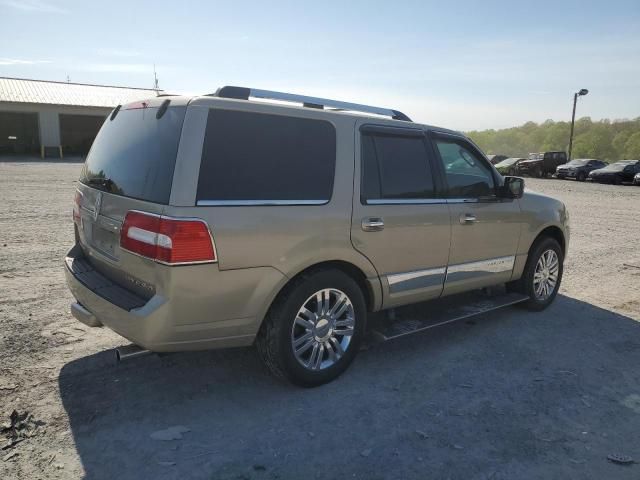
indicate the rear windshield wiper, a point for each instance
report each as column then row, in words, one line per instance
column 106, row 183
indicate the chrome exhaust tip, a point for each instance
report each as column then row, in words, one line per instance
column 130, row 351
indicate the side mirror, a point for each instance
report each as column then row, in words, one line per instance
column 513, row 187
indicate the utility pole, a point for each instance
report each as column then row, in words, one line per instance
column 155, row 79
column 583, row 91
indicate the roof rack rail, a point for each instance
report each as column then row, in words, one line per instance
column 243, row 93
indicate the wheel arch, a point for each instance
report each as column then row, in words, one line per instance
column 552, row 231
column 371, row 287
column 355, row 272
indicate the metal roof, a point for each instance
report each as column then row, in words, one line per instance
column 61, row 93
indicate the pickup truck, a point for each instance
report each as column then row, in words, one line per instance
column 542, row 164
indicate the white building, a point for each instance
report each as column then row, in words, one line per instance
column 56, row 118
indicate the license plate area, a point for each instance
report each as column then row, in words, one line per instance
column 105, row 240
column 104, row 235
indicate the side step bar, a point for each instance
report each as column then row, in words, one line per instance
column 422, row 316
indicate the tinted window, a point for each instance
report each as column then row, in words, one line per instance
column 254, row 156
column 467, row 175
column 395, row 167
column 135, row 154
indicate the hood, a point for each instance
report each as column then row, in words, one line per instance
column 566, row 166
column 603, row 171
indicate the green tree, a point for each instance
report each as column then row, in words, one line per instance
column 632, row 147
column 619, row 142
column 602, row 139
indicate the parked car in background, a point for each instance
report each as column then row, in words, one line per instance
column 636, row 179
column 542, row 164
column 495, row 159
column 616, row 173
column 509, row 166
column 579, row 168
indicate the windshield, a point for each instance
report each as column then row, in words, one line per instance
column 134, row 154
column 618, row 166
column 578, row 162
column 507, row 162
column 536, row 156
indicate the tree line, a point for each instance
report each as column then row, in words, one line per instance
column 603, row 139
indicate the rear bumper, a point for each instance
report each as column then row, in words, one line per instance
column 566, row 174
column 201, row 308
column 84, row 316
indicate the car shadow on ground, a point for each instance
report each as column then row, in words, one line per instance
column 511, row 394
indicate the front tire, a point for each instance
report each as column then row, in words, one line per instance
column 314, row 329
column 581, row 177
column 542, row 274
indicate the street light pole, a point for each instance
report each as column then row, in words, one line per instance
column 583, row 91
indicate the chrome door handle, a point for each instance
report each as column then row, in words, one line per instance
column 372, row 224
column 467, row 219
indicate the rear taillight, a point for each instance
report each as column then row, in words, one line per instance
column 173, row 241
column 76, row 207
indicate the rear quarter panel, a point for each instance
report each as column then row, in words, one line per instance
column 287, row 238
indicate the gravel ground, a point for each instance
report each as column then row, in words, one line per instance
column 507, row 395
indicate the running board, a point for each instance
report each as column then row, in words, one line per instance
column 410, row 319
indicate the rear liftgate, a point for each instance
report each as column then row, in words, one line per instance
column 401, row 321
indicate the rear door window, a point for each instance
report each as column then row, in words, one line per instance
column 256, row 158
column 395, row 167
column 134, row 155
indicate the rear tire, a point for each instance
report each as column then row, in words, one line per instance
column 307, row 348
column 537, row 172
column 539, row 270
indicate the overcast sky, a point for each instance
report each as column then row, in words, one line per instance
column 464, row 64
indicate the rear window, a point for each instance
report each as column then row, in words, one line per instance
column 395, row 167
column 134, row 154
column 256, row 158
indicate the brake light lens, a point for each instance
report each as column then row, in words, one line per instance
column 172, row 241
column 76, row 207
column 135, row 106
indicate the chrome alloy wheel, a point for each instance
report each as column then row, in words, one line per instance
column 323, row 329
column 545, row 276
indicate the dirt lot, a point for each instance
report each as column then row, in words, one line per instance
column 508, row 395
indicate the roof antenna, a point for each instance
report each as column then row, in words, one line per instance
column 155, row 80
column 68, row 79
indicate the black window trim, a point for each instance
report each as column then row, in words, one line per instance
column 374, row 129
column 370, row 129
column 202, row 202
column 433, row 136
